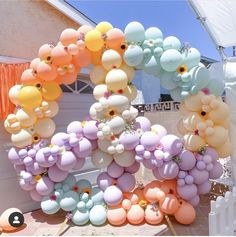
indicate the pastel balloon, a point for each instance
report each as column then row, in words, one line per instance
column 193, row 142
column 200, row 77
column 84, row 148
column 133, row 56
column 45, row 127
column 130, row 72
column 169, row 204
column 60, row 56
column 218, row 138
column 101, row 159
column 216, row 114
column 83, row 58
column 135, row 215
column 114, row 170
column 111, row 59
column 51, row 91
column 14, row 93
column 80, row 218
column 49, row 206
column 66, row 161
column 225, row 149
column 104, row 180
column 56, row 174
column 69, row 36
column 171, row 42
column 44, row 186
column 98, row 75
column 193, row 102
column 191, row 57
column 69, row 201
column 90, row 130
column 75, row 127
column 116, row 215
column 26, row 117
column 35, row 196
column 46, row 72
column 126, row 182
column 170, row 60
column 99, row 91
column 125, row 159
column 216, row 87
column 116, row 79
column 119, row 102
column 29, row 97
column 169, row 170
column 53, row 109
column 204, row 187
column 113, row 195
column 200, row 176
column 96, row 57
column 115, row 37
column 84, row 29
column 142, row 123
column 194, row 201
column 79, row 164
column 153, row 217
column 153, row 66
column 149, row 140
column 134, row 32
column 129, row 140
column 216, row 172
column 188, row 160
column 28, row 77
column 117, row 124
column 187, row 192
column 156, row 174
column 97, row 196
column 167, row 80
column 93, row 40
column 26, row 185
column 172, row 144
column 186, row 214
column 104, row 26
column 133, row 168
column 159, row 130
column 153, row 33
column 131, row 92
column 98, row 215
column 21, row 139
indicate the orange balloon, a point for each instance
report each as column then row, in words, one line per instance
column 34, row 63
column 116, row 215
column 69, row 36
column 139, row 193
column 186, row 214
column 61, row 56
column 135, row 214
column 96, row 57
column 169, row 204
column 44, row 52
column 67, row 79
column 83, row 58
column 169, row 186
column 153, row 217
column 28, row 77
column 46, row 72
column 115, row 37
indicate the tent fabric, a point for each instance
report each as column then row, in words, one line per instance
column 218, row 18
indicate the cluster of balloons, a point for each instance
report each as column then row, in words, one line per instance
column 114, row 136
column 205, row 121
column 150, row 203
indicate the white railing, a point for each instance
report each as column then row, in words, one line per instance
column 222, row 216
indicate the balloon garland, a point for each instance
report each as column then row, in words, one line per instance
column 115, row 136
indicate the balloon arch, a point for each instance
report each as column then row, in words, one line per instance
column 115, row 136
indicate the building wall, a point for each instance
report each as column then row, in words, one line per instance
column 27, row 24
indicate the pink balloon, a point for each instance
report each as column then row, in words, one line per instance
column 79, row 164
column 114, row 170
column 94, row 144
column 129, row 140
column 84, row 148
column 36, row 196
column 66, row 161
column 83, row 58
column 75, row 127
column 56, row 174
column 35, row 169
column 90, row 130
column 60, row 138
column 104, row 180
column 213, row 153
column 172, row 144
column 44, row 186
column 133, row 168
column 142, row 123
column 149, row 140
column 26, row 185
column 126, row 182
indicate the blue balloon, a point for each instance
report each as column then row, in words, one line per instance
column 97, row 196
column 69, row 201
column 81, row 206
column 171, row 42
column 153, row 33
column 168, row 80
column 84, row 197
column 89, row 204
column 80, row 217
column 49, row 206
column 170, row 60
column 70, row 180
column 83, row 186
column 134, row 32
column 133, row 56
column 216, row 87
column 98, row 215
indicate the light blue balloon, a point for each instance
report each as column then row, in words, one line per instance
column 147, row 54
column 171, row 42
column 153, row 33
column 81, row 205
column 191, row 58
column 194, row 90
column 70, row 180
column 153, row 66
column 98, row 215
column 168, row 80
column 158, row 51
column 80, row 217
column 170, row 60
column 83, row 184
column 69, row 201
column 84, row 197
column 133, row 56
column 89, row 204
column 49, row 206
column 59, row 193
column 200, row 77
column 97, row 196
column 58, row 186
column 176, row 94
column 134, row 32
column 184, row 94
column 216, row 87
column 66, row 187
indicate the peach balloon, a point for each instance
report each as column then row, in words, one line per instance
column 131, row 92
column 115, row 37
column 67, row 79
column 169, row 204
column 14, row 93
column 28, row 77
column 219, row 137
column 69, row 36
column 126, row 204
column 73, row 49
column 116, row 79
column 132, row 197
column 190, row 121
column 61, row 56
column 193, row 102
column 44, row 52
column 116, row 215
column 98, row 75
column 186, row 214
column 46, row 72
column 153, row 193
column 169, row 186
column 83, row 58
column 34, row 63
column 153, row 217
column 220, row 114
column 83, row 30
column 139, row 193
column 130, row 72
column 135, row 214
column 181, row 129
column 183, row 109
column 96, row 57
column 193, row 142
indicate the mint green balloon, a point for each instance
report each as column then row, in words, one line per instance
column 200, row 77
column 153, row 33
column 81, row 206
column 98, row 215
column 70, row 180
column 171, row 42
column 49, row 206
column 133, row 56
column 216, row 87
column 153, row 66
column 66, row 187
column 170, row 60
column 69, row 201
column 84, row 197
column 80, row 217
column 158, row 51
column 147, row 54
column 167, row 80
column 134, row 32
column 176, row 94
column 191, row 58
column 83, row 184
column 58, row 186
column 97, row 196
column 89, row 204
column 59, row 193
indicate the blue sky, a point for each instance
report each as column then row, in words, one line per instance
column 173, row 17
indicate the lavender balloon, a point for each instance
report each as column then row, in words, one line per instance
column 113, row 195
column 200, row 176
column 172, row 144
column 217, row 171
column 133, row 168
column 187, row 191
column 129, row 140
column 14, row 157
column 104, row 180
column 25, row 185
column 44, row 186
column 212, row 153
column 139, row 149
column 150, row 163
column 44, row 158
column 204, row 187
column 90, row 130
column 84, row 148
column 188, row 160
column 79, row 164
column 114, row 170
column 56, row 174
column 194, row 201
column 126, row 182
column 142, row 123
column 66, row 161
column 75, row 127
column 19, row 168
column 157, row 175
column 169, row 170
column 36, row 196
column 149, row 140
column 60, row 139
column 35, row 168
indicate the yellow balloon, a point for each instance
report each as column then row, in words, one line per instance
column 26, row 117
column 111, row 59
column 14, row 93
column 193, row 142
column 93, row 40
column 131, row 92
column 29, row 97
column 99, row 91
column 104, row 26
column 53, row 109
column 193, row 102
column 218, row 138
column 116, row 79
column 225, row 150
column 45, row 127
column 130, row 72
column 191, row 120
column 98, row 75
column 51, row 91
column 181, row 129
column 21, row 139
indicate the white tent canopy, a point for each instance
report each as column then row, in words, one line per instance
column 218, row 17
